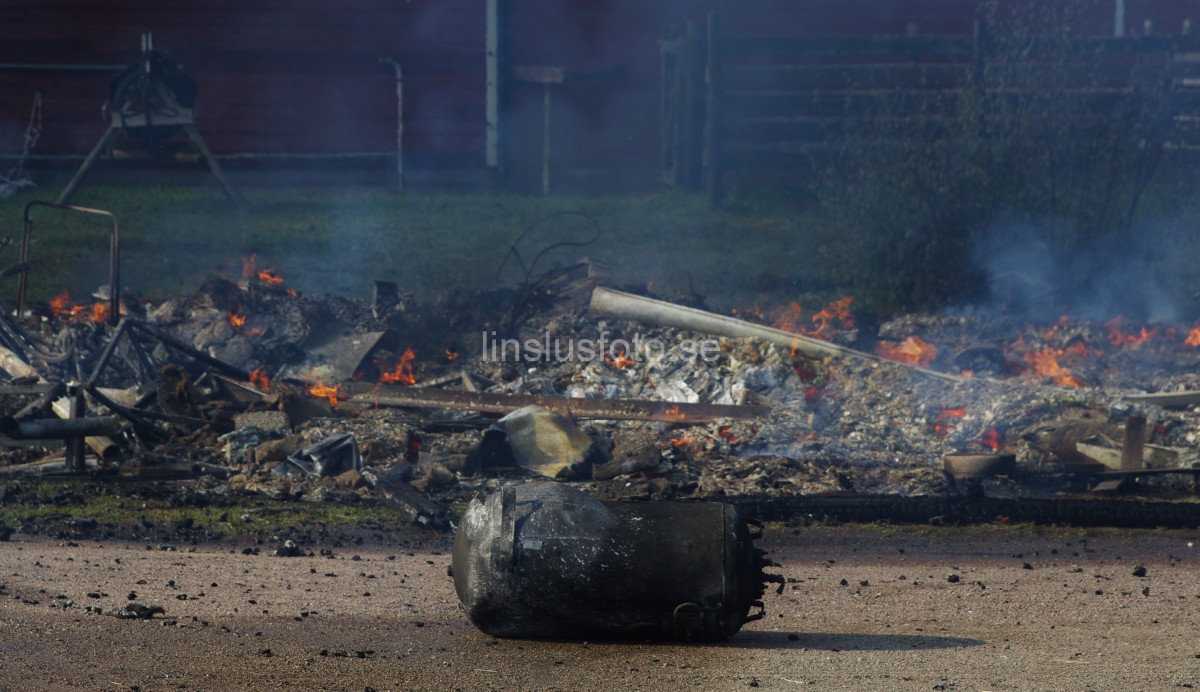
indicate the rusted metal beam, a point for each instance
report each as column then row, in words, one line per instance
column 605, row 409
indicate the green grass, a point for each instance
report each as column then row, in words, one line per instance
column 337, row 240
column 47, row 507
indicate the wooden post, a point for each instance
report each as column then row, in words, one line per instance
column 75, row 445
column 492, row 67
column 546, row 138
column 691, row 147
column 978, row 84
column 979, row 57
column 712, row 126
column 670, row 57
column 1135, row 440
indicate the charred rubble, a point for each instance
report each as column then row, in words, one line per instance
column 325, row 398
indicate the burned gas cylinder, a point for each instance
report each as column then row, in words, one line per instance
column 548, row 560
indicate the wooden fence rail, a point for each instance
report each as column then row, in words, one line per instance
column 735, row 105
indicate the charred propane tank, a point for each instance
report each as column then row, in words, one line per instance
column 548, row 560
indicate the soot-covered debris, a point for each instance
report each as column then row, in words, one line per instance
column 286, row 395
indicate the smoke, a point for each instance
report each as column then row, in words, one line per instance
column 1138, row 275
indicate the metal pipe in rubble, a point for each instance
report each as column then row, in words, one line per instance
column 75, row 446
column 114, row 256
column 55, row 428
column 606, row 301
column 399, row 122
column 548, row 560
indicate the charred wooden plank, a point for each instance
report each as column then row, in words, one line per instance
column 606, row 409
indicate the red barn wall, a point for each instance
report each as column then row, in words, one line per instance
column 612, row 125
column 278, row 76
column 303, row 76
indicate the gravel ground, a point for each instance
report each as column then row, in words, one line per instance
column 868, row 608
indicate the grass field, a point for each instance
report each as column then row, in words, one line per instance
column 338, row 240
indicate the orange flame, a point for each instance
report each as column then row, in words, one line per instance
column 270, row 276
column 724, row 432
column 838, row 311
column 1118, row 337
column 237, row 320
column 59, row 304
column 99, row 313
column 789, row 320
column 911, row 351
column 1193, row 337
column 621, row 362
column 947, row 418
column 687, row 444
column 320, row 390
column 61, row 307
column 259, row 378
column 1080, row 349
column 674, row 413
column 451, row 355
column 1045, row 364
column 403, row 372
column 992, row 439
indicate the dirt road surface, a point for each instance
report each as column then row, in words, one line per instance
column 867, row 609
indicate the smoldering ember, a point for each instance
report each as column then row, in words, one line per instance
column 248, row 386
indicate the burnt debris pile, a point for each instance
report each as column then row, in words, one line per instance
column 422, row 405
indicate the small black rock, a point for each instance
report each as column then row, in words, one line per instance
column 1139, row 571
column 953, row 578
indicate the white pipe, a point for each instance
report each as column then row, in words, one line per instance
column 606, row 301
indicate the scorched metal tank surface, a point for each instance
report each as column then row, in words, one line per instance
column 549, row 560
